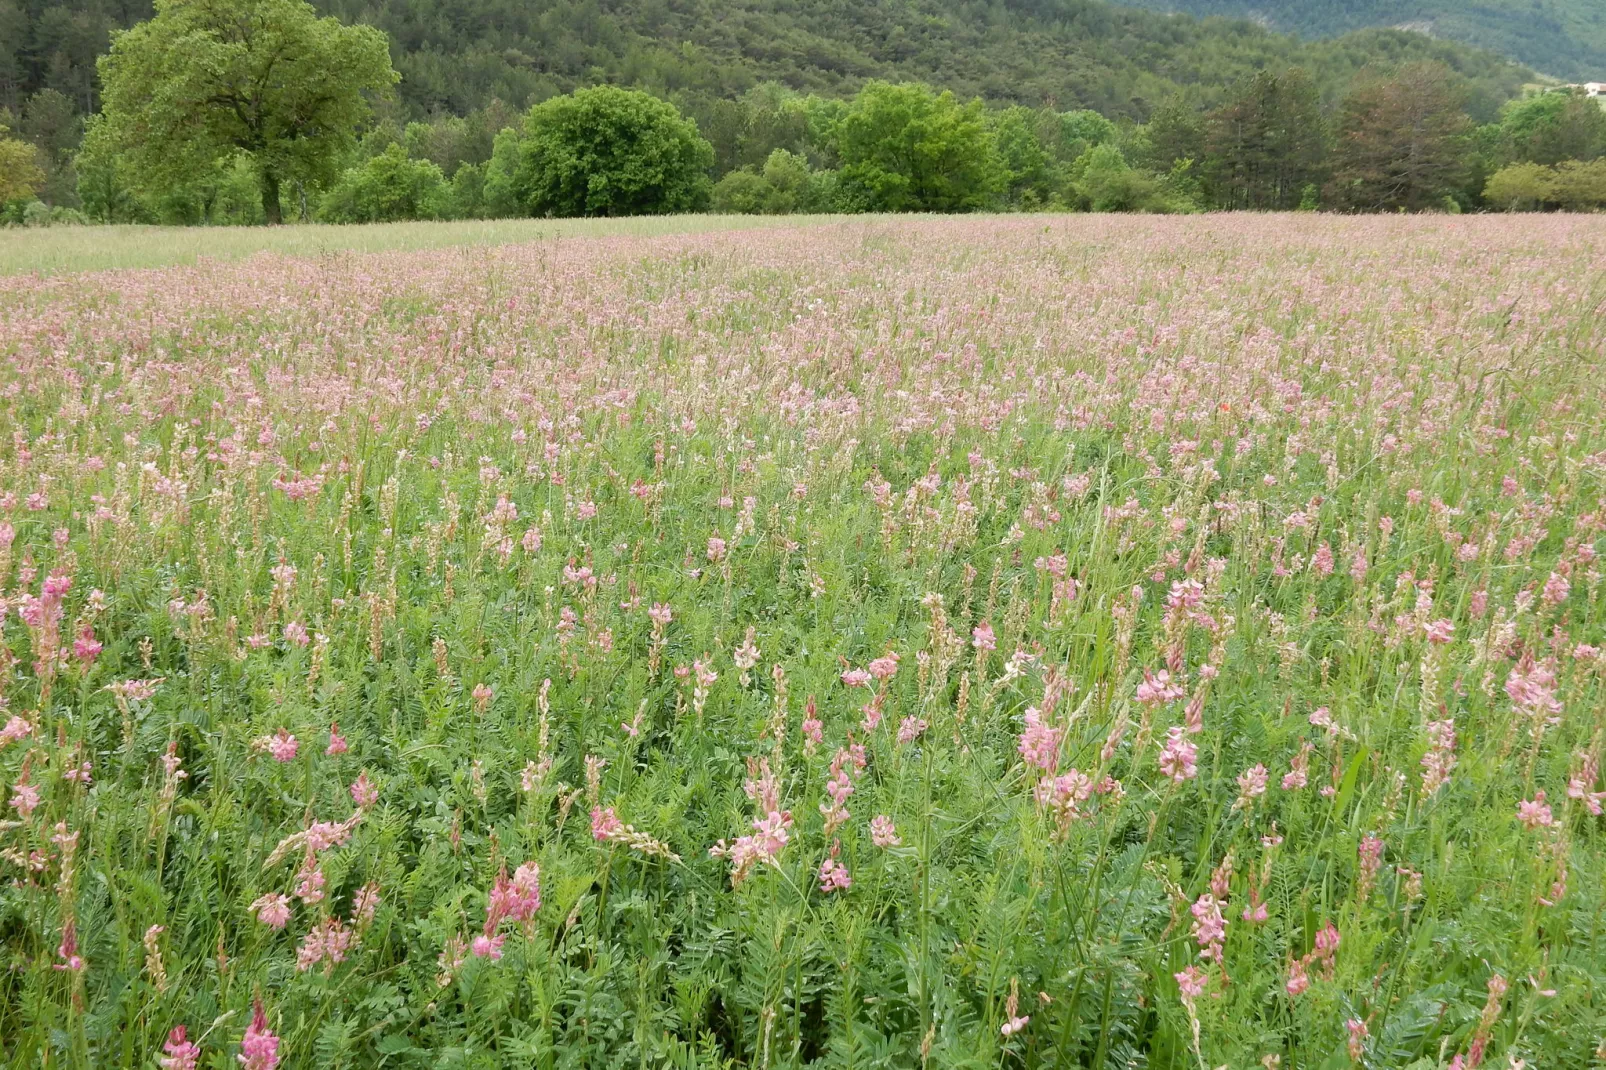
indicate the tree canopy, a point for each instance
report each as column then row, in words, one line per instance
column 1269, row 142
column 456, row 56
column 224, row 111
column 908, row 148
column 1548, row 128
column 268, row 79
column 611, row 152
column 1403, row 142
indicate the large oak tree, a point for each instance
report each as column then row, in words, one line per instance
column 207, row 79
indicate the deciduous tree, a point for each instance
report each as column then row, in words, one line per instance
column 1520, row 187
column 1551, row 127
column 206, row 79
column 1580, row 186
column 20, row 173
column 611, row 152
column 908, row 148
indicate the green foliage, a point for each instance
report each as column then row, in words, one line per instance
column 610, row 152
column 1403, row 142
column 20, row 173
column 1103, row 181
column 55, row 128
column 465, row 194
column 754, row 77
column 500, row 193
column 1175, row 132
column 456, row 56
column 1564, row 38
column 1078, row 53
column 1077, row 131
column 785, row 185
column 1548, row 128
column 1030, row 175
column 224, row 192
column 1221, row 136
column 1580, row 186
column 40, row 214
column 450, row 141
column 388, row 188
column 745, row 130
column 908, row 148
column 1572, row 185
column 742, row 192
column 1520, row 187
column 205, row 80
column 105, row 185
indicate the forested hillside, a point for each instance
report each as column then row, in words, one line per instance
column 456, row 55
column 1562, row 38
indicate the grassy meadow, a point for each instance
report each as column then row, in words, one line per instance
column 1020, row 641
column 54, row 250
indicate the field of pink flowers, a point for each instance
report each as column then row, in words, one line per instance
column 1090, row 642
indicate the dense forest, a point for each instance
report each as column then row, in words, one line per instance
column 1562, row 38
column 457, row 55
column 417, row 109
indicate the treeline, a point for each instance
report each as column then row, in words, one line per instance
column 188, row 134
column 1398, row 142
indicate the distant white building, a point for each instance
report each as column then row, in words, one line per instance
column 1595, row 89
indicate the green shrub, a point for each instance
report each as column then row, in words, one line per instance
column 610, row 152
column 1520, row 187
column 1103, row 181
column 784, row 186
column 1580, row 186
column 387, row 188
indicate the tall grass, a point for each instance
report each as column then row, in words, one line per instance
column 1071, row 643
column 55, row 250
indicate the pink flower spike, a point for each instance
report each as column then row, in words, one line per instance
column 834, row 877
column 1014, row 1025
column 283, row 746
column 1179, row 756
column 1192, row 982
column 182, row 1053
column 883, row 833
column 488, row 947
column 856, row 678
column 363, row 792
column 605, row 824
column 1534, row 813
column 259, row 1048
column 272, row 910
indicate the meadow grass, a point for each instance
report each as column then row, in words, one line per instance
column 1073, row 642
column 53, row 250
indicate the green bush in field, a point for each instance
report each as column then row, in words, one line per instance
column 610, row 152
column 387, row 188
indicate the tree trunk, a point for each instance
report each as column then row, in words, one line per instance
column 270, row 198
